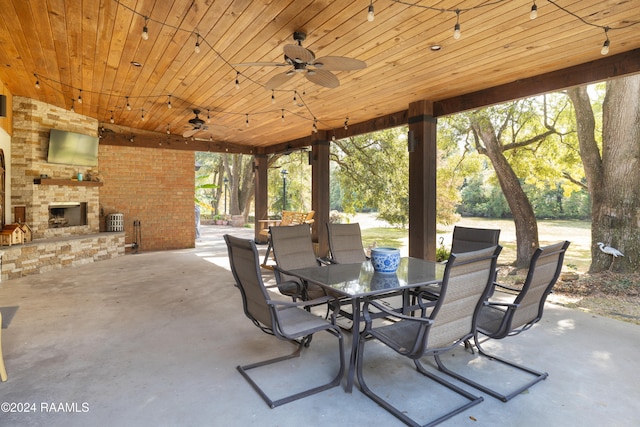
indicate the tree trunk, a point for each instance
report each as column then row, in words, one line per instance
column 522, row 211
column 614, row 177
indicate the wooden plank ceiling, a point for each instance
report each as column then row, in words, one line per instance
column 87, row 49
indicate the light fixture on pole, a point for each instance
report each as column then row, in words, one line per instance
column 226, row 186
column 284, row 173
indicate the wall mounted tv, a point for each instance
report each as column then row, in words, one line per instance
column 71, row 148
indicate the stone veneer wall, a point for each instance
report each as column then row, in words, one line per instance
column 54, row 254
column 32, row 122
column 153, row 186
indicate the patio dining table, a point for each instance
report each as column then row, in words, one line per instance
column 357, row 281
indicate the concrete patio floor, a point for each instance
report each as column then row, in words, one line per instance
column 153, row 339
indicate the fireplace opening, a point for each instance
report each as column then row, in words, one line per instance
column 67, row 214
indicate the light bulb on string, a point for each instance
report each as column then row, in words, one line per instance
column 282, row 115
column 168, row 129
column 142, row 114
column 80, row 97
column 456, row 28
column 534, row 11
column 370, row 12
column 145, row 30
column 72, row 109
column 37, row 81
column 346, row 123
column 605, row 45
column 197, row 48
column 273, row 96
column 315, row 126
column 295, row 99
column 112, row 119
column 237, row 79
column 128, row 105
column 169, row 103
column 247, row 121
column 208, row 116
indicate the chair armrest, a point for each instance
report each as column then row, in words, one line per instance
column 501, row 304
column 498, row 285
column 390, row 312
column 303, row 304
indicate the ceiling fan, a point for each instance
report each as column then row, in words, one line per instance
column 303, row 60
column 195, row 125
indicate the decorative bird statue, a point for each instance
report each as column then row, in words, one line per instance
column 610, row 251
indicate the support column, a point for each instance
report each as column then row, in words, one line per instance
column 422, row 180
column 320, row 194
column 260, row 165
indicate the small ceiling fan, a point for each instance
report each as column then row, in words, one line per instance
column 303, row 60
column 196, row 125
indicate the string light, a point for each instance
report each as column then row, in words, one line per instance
column 456, row 28
column 346, row 123
column 80, row 97
column 237, row 79
column 370, row 13
column 37, row 81
column 315, row 126
column 112, row 119
column 273, row 96
column 247, row 121
column 145, row 30
column 169, row 103
column 605, row 45
column 295, row 99
column 142, row 114
column 72, row 109
column 168, row 129
column 208, row 116
column 282, row 115
column 197, row 48
column 534, row 11
column 128, row 105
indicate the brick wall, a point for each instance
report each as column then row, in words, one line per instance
column 154, row 186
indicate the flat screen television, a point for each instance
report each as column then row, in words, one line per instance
column 70, row 148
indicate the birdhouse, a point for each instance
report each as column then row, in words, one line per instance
column 11, row 234
column 27, row 232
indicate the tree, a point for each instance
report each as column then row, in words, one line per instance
column 518, row 138
column 372, row 172
column 613, row 171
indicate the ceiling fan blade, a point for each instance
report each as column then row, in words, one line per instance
column 261, row 64
column 298, row 53
column 190, row 132
column 339, row 63
column 323, row 78
column 277, row 81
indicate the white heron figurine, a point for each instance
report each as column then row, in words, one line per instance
column 609, row 250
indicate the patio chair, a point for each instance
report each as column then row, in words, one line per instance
column 283, row 319
column 3, row 370
column 498, row 320
column 466, row 239
column 441, row 325
column 293, row 248
column 288, row 218
column 345, row 243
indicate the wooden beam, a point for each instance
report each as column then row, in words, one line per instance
column 609, row 67
column 137, row 138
